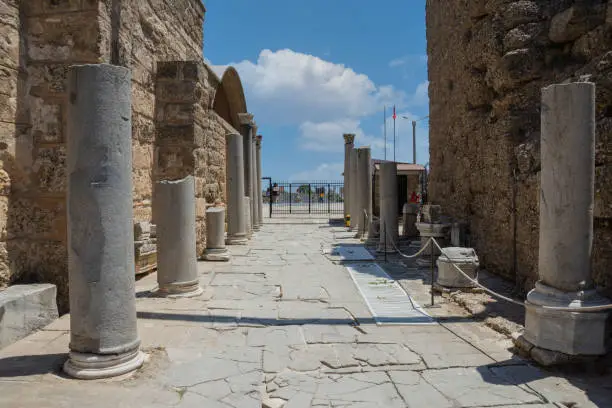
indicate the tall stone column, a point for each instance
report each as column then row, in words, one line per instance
column 177, row 271
column 364, row 190
column 353, row 187
column 247, row 124
column 103, row 335
column 388, row 207
column 255, row 198
column 259, row 176
column 236, row 222
column 349, row 140
column 566, row 226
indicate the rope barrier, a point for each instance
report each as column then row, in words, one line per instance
column 433, row 241
column 583, row 309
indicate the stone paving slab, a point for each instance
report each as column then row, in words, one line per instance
column 283, row 326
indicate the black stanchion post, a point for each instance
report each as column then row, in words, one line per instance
column 432, row 271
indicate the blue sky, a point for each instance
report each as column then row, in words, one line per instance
column 313, row 70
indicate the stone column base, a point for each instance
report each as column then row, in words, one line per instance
column 217, row 254
column 572, row 333
column 87, row 366
column 180, row 290
column 546, row 357
column 237, row 240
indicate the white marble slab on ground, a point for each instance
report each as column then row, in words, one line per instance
column 348, row 253
column 386, row 299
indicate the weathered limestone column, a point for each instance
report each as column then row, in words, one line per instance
column 255, row 197
column 103, row 335
column 389, row 236
column 353, row 187
column 247, row 123
column 177, row 272
column 364, row 190
column 566, row 226
column 236, row 221
column 215, row 235
column 259, row 176
column 247, row 217
column 349, row 140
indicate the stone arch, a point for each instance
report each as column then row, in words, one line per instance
column 229, row 99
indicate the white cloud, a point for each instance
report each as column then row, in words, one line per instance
column 324, row 171
column 420, row 97
column 288, row 87
column 327, row 136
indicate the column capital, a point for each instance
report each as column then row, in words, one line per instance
column 246, row 119
column 349, row 138
column 259, row 138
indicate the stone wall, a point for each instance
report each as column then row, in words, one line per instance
column 488, row 60
column 39, row 40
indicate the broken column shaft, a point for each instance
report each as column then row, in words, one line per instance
column 566, row 226
column 103, row 335
column 177, row 272
column 215, row 235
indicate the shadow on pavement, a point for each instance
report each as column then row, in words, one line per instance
column 22, row 366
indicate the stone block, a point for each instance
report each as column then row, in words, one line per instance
column 25, row 309
column 8, row 81
column 575, row 21
column 50, row 168
column 185, row 91
column 175, row 157
column 37, row 218
column 430, row 213
column 186, row 135
column 33, row 7
column 465, row 259
column 9, row 47
column 73, row 37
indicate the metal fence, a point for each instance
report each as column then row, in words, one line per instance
column 308, row 197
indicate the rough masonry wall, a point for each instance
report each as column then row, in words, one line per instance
column 488, row 60
column 9, row 88
column 39, row 40
column 188, row 140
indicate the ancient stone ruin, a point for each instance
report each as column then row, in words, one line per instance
column 488, row 60
column 181, row 113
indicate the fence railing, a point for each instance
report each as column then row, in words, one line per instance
column 307, row 197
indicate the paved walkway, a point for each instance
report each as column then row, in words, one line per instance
column 283, row 325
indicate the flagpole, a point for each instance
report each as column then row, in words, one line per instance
column 385, row 128
column 393, row 133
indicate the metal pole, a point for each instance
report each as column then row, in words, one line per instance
column 270, row 196
column 432, row 271
column 385, row 127
column 394, row 133
column 309, row 197
column 289, row 198
column 414, row 141
column 328, row 201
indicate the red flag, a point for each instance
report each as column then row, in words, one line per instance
column 394, row 115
